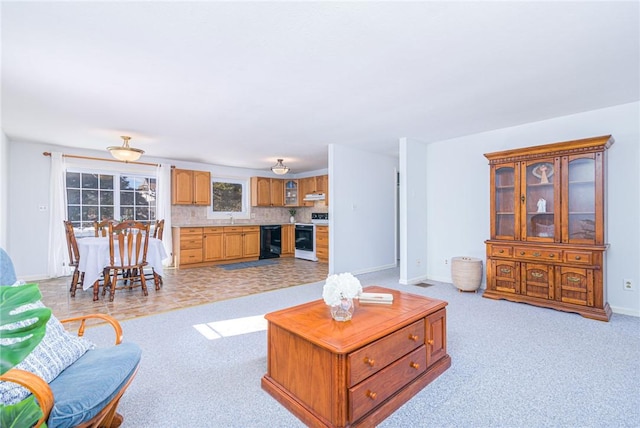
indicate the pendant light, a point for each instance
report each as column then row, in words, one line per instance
column 124, row 152
column 280, row 168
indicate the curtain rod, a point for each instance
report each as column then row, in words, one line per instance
column 102, row 159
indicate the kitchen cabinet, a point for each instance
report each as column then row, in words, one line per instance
column 307, row 185
column 322, row 243
column 241, row 242
column 547, row 226
column 267, row 192
column 332, row 374
column 190, row 187
column 210, row 245
column 187, row 245
column 288, row 240
column 291, row 193
column 213, row 244
column 322, row 186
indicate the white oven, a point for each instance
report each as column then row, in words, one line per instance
column 305, row 235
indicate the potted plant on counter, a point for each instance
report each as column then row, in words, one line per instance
column 292, row 213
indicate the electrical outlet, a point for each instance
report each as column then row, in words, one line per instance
column 446, row 261
column 418, row 261
column 628, row 285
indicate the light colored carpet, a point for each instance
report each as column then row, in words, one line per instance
column 513, row 365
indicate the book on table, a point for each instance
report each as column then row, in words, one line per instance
column 379, row 298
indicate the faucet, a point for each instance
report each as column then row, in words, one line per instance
column 231, row 218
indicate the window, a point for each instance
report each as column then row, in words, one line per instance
column 93, row 197
column 229, row 198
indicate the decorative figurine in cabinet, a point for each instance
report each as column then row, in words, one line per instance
column 547, row 226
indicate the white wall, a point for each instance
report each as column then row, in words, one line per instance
column 458, row 192
column 362, row 210
column 413, row 208
column 4, row 188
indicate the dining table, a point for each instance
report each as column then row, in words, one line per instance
column 94, row 257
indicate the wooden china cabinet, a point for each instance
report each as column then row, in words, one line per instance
column 547, row 226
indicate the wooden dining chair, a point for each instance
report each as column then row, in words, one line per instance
column 74, row 257
column 158, row 231
column 101, row 228
column 128, row 243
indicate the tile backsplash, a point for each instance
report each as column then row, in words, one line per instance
column 192, row 215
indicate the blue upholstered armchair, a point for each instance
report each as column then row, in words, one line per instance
column 75, row 383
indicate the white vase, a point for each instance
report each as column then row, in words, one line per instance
column 292, row 219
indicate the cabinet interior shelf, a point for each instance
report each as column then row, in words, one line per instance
column 540, row 185
column 581, row 213
column 590, row 182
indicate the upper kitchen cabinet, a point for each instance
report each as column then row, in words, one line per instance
column 190, row 187
column 291, row 193
column 267, row 192
column 313, row 186
column 322, row 186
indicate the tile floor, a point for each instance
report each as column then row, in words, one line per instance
column 182, row 288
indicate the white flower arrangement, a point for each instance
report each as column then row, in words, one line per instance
column 340, row 286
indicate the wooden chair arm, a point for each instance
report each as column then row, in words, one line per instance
column 83, row 319
column 38, row 387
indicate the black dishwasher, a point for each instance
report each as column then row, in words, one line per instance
column 270, row 241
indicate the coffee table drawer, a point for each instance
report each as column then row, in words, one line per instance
column 374, row 357
column 369, row 394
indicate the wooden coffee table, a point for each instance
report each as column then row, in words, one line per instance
column 354, row 373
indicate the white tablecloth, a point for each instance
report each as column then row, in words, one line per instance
column 94, row 256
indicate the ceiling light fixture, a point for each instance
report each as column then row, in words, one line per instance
column 124, row 152
column 280, row 168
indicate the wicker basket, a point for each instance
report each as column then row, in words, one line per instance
column 466, row 273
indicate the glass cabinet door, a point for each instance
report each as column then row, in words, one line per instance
column 540, row 199
column 505, row 202
column 291, row 193
column 581, row 196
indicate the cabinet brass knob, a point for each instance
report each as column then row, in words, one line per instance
column 371, row 395
column 430, row 342
column 578, row 257
column 573, row 279
column 505, row 270
column 501, row 251
column 369, row 361
column 522, row 253
column 536, row 254
column 414, row 365
column 413, row 337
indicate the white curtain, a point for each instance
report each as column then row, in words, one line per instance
column 58, row 265
column 163, row 207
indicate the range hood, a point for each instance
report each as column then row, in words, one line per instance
column 314, row 197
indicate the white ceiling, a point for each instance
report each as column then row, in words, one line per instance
column 241, row 84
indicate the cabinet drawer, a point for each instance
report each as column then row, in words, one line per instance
column 322, row 240
column 251, row 229
column 581, row 257
column 538, row 254
column 501, row 251
column 190, row 256
column 190, row 231
column 373, row 391
column 212, row 230
column 375, row 356
column 189, row 243
column 322, row 253
column 231, row 229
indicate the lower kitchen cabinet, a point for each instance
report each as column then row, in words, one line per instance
column 205, row 246
column 288, row 240
column 322, row 243
column 213, row 244
column 241, row 242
